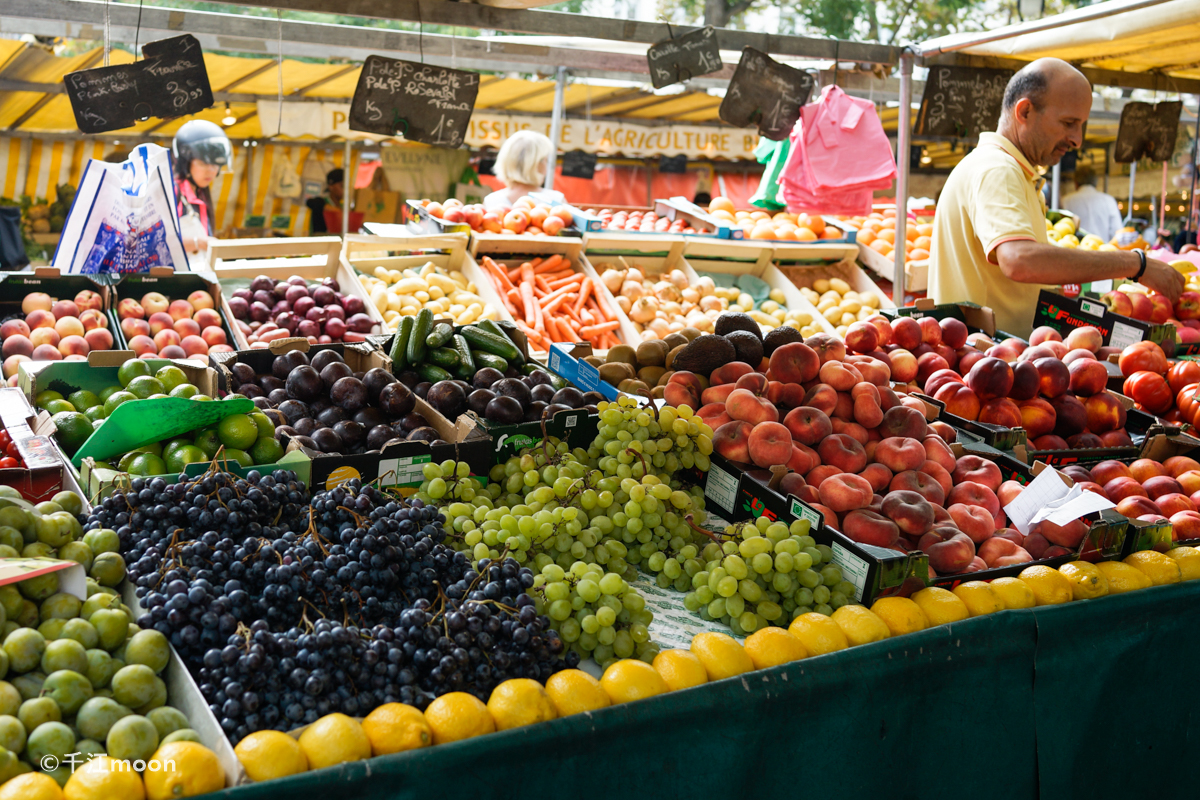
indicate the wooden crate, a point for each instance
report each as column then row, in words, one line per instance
column 765, row 270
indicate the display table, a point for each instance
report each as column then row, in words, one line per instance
column 1083, row 699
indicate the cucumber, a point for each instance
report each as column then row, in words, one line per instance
column 443, row 357
column 432, row 373
column 416, row 343
column 557, row 381
column 440, row 336
column 483, row 359
column 466, row 361
column 504, row 330
column 480, row 339
column 399, row 352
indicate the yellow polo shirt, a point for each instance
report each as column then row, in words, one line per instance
column 991, row 197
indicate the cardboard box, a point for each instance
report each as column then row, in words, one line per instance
column 761, row 268
column 567, row 361
column 100, row 371
column 575, row 427
column 45, row 473
column 1065, row 314
column 741, row 492
column 175, row 286
column 420, row 221
column 851, row 273
column 237, row 262
column 16, row 286
column 1160, row 446
column 978, row 319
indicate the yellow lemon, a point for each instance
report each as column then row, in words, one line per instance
column 267, row 755
column 941, row 605
column 104, row 778
column 187, row 769
column 458, row 715
column 1013, row 593
column 1087, row 582
column 334, row 739
column 573, row 691
column 518, row 702
column 1157, row 567
column 771, row 646
column 680, row 669
column 721, row 655
column 629, row 679
column 979, row 598
column 396, row 727
column 860, row 625
column 1050, row 587
column 818, row 633
column 1122, row 577
column 900, row 614
column 1188, row 559
column 30, row 786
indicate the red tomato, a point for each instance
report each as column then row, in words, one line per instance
column 5, row 439
column 1150, row 390
column 12, row 451
column 9, row 463
column 1183, row 373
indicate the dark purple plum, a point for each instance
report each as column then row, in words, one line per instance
column 351, row 432
column 549, row 411
column 410, row 422
column 513, row 372
column 293, row 411
column 514, row 388
column 251, row 390
column 277, row 396
column 537, row 377
column 319, row 404
column 331, row 416
column 242, row 373
column 425, row 434
column 569, row 397
column 533, row 412
column 284, row 432
column 504, row 410
column 396, row 399
column 335, row 372
column 485, row 377
column 261, row 403
column 448, row 399
column 592, row 398
column 349, row 393
column 283, row 365
column 328, row 441
column 370, row 416
column 478, row 400
column 304, row 383
column 422, row 389
column 307, row 426
column 323, row 359
column 380, row 435
column 276, row 418
column 542, row 392
column 305, row 441
column 591, row 409
column 269, row 383
column 375, row 380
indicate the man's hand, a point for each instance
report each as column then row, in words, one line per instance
column 1164, row 279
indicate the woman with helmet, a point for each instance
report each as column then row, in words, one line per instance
column 201, row 149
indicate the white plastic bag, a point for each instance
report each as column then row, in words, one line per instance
column 123, row 218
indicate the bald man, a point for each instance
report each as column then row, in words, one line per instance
column 989, row 236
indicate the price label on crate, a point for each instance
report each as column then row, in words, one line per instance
column 420, row 102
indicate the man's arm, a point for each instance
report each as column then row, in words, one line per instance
column 1026, row 261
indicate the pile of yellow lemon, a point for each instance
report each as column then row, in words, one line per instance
column 187, row 769
column 1063, row 234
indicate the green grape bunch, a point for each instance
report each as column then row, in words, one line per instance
column 596, row 613
column 632, row 440
column 765, row 573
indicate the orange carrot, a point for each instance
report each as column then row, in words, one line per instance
column 575, row 278
column 596, row 330
column 555, row 276
column 567, row 332
column 498, row 274
column 553, row 305
column 550, row 264
column 540, row 282
column 602, row 306
column 584, row 289
column 566, row 290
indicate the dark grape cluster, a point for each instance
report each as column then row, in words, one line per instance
column 288, row 607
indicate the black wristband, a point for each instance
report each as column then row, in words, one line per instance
column 1142, row 271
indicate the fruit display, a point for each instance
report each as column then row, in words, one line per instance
column 1148, row 490
column 878, row 232
column 781, row 225
column 447, row 293
column 51, row 329
column 526, row 216
column 1063, row 233
column 10, row 456
column 323, row 404
column 646, row 369
column 551, row 301
column 645, row 221
column 671, row 302
column 267, row 310
column 158, row 327
column 1053, row 388
column 839, row 303
column 1135, row 300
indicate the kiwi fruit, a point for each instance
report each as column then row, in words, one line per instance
column 673, row 340
column 778, row 337
column 665, row 377
column 650, row 375
column 657, row 392
column 652, row 353
column 736, row 321
column 633, row 386
column 675, row 351
column 595, row 361
column 616, row 372
column 689, row 333
column 622, row 354
column 748, row 346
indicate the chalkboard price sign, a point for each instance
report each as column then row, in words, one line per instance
column 765, row 93
column 689, row 56
column 961, row 102
column 578, row 164
column 420, row 102
column 1148, row 130
column 171, row 81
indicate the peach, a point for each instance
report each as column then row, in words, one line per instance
column 791, row 484
column 1104, row 413
column 878, row 476
column 852, row 429
column 794, row 362
column 130, row 309
column 64, row 308
column 950, row 551
column 73, row 345
column 904, row 421
column 40, row 319
column 1105, row 471
column 731, row 440
column 1037, row 417
column 195, row 346
column 1036, row 352
column 907, row 333
column 746, row 406
column 207, row 318
column 827, row 347
column 1087, row 377
column 929, row 363
column 1044, row 334
column 904, row 365
column 974, row 521
column 92, row 319
column 939, row 379
column 1190, row 481
column 883, row 328
column 845, row 492
column 974, row 494
column 712, row 414
column 808, row 425
column 841, row 376
column 990, row 378
column 769, row 443
column 14, row 327
column 818, row 474
column 1076, row 472
column 844, row 409
column 888, row 399
column 18, row 344
column 1170, row 504
column 783, row 395
column 870, row 527
column 873, row 370
column 1076, row 355
column 842, row 451
column 753, row 382
column 142, row 345
column 900, row 454
column 979, row 470
column 69, row 326
column 1070, row 415
column 166, row 337
column 1069, row 535
column 729, row 373
column 938, row 451
column 716, row 394
column 830, row 517
column 186, row 327
column 41, row 336
column 959, row 400
column 1005, row 352
column 1118, row 489
column 684, row 389
column 1160, row 485
column 98, row 339
column 87, row 299
column 967, row 358
column 13, row 363
column 867, row 411
column 939, row 474
column 1177, row 465
column 201, row 299
column 1085, row 338
column 46, row 352
column 954, row 332
column 160, row 321
column 1026, row 381
column 1011, row 534
column 1084, row 440
column 1036, row 545
column 823, row 398
column 1000, row 411
column 993, row 548
column 1008, row 492
column 911, row 512
column 803, row 459
column 132, row 326
column 1185, row 526
column 154, row 302
column 921, row 483
column 862, row 337
column 1144, row 469
column 1092, row 486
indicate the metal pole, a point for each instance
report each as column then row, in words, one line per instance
column 556, row 122
column 903, row 132
column 1055, row 185
column 348, row 188
column 1132, row 177
column 1192, row 222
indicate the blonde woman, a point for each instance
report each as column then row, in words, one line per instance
column 521, row 166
